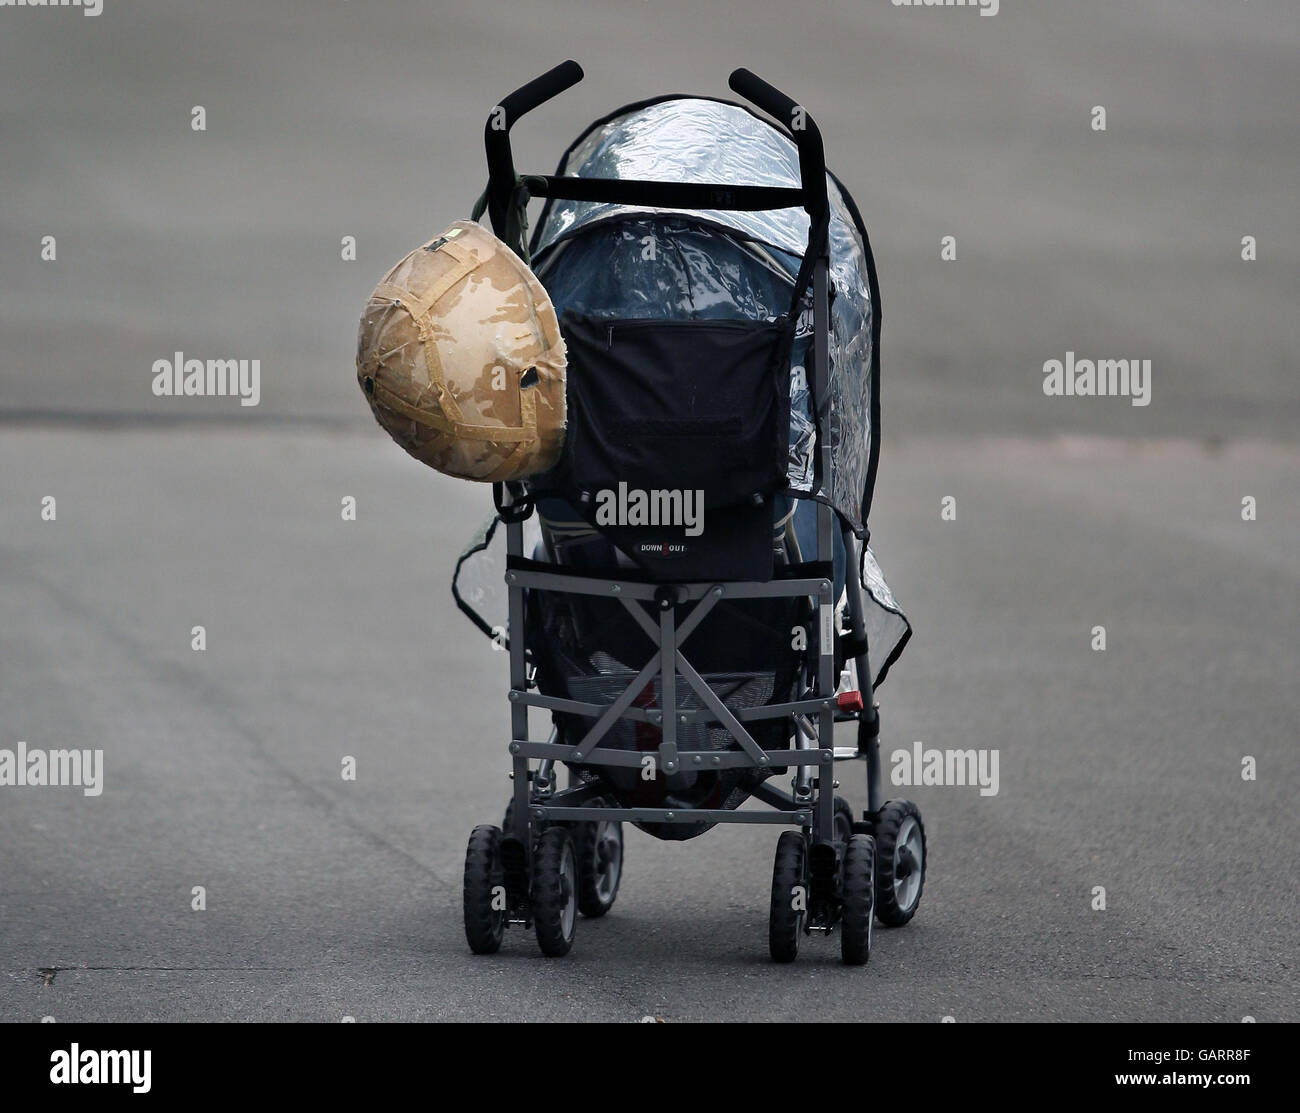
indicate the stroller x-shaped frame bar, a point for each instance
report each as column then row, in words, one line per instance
column 666, row 662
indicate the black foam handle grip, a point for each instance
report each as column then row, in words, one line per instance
column 496, row 138
column 541, row 89
column 804, row 130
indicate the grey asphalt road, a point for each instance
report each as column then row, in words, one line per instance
column 328, row 639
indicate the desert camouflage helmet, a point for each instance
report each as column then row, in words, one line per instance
column 460, row 355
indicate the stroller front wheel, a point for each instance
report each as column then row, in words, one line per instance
column 555, row 892
column 900, row 874
column 789, row 896
column 485, row 891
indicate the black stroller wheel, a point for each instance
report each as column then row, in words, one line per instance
column 900, row 872
column 508, row 820
column 789, row 896
column 599, row 848
column 858, row 894
column 843, row 820
column 555, row 892
column 485, row 891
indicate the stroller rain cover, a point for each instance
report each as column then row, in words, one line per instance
column 625, row 261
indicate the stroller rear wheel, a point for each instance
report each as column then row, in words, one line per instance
column 900, row 874
column 789, row 896
column 858, row 895
column 599, row 848
column 508, row 820
column 843, row 820
column 555, row 891
column 485, row 891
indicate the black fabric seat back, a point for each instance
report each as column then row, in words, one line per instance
column 677, row 439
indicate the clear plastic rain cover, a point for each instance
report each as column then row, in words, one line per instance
column 628, row 262
column 692, row 139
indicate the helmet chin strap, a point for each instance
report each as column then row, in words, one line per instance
column 518, row 218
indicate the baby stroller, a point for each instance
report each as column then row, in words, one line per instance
column 689, row 593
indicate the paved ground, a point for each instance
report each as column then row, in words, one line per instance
column 329, row 898
column 328, row 638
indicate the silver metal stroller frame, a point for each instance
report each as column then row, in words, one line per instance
column 826, row 874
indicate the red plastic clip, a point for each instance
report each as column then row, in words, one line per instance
column 849, row 701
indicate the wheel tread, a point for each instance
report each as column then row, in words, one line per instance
column 858, row 893
column 484, row 928
column 888, row 826
column 790, row 869
column 585, row 848
column 548, row 901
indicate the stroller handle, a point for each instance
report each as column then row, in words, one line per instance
column 541, row 89
column 496, row 132
column 803, row 130
column 502, row 179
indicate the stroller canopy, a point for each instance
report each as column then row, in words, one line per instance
column 593, row 256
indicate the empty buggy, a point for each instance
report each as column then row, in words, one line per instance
column 689, row 593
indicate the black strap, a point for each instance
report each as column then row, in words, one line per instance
column 807, row 570
column 853, row 646
column 520, row 508
column 665, row 195
column 517, row 219
column 818, row 235
column 480, row 206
